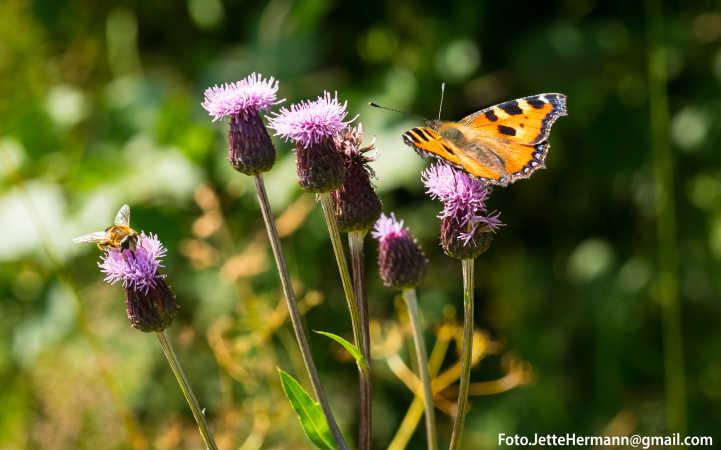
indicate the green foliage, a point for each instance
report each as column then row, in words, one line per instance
column 352, row 349
column 309, row 412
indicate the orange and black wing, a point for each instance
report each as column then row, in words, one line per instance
column 497, row 145
column 527, row 120
column 481, row 164
column 517, row 131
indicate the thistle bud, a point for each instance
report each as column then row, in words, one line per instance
column 249, row 148
column 401, row 261
column 151, row 310
column 319, row 167
column 456, row 246
column 356, row 205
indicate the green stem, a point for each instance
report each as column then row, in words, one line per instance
column 330, row 221
column 467, row 266
column 293, row 311
column 365, row 420
column 412, row 303
column 337, row 243
column 187, row 391
column 665, row 221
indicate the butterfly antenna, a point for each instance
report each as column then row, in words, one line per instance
column 376, row 105
column 440, row 107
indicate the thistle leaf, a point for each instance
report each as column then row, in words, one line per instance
column 352, row 349
column 309, row 412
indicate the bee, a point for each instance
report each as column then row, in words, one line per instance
column 119, row 236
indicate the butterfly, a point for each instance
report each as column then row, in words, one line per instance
column 497, row 145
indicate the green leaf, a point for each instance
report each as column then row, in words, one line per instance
column 352, row 349
column 309, row 412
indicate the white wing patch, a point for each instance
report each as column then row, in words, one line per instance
column 123, row 216
column 90, row 237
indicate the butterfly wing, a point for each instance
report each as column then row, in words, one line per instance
column 428, row 143
column 90, row 237
column 123, row 216
column 527, row 120
column 499, row 144
column 517, row 131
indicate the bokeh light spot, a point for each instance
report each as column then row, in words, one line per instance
column 634, row 275
column 377, row 45
column 458, row 60
column 206, row 13
column 590, row 260
column 704, row 191
column 402, row 86
column 567, row 40
column 14, row 153
column 66, row 105
column 689, row 128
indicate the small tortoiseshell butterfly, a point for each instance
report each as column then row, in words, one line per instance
column 497, row 145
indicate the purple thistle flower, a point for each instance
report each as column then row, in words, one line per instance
column 356, row 205
column 149, row 301
column 250, row 150
column 137, row 270
column 244, row 97
column 311, row 122
column 465, row 219
column 401, row 262
column 312, row 126
column 388, row 227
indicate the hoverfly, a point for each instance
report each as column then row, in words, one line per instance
column 119, row 236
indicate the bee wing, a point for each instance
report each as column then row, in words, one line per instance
column 90, row 237
column 123, row 216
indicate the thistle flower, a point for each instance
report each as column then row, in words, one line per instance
column 241, row 98
column 401, row 261
column 149, row 301
column 356, row 205
column 250, row 150
column 466, row 226
column 312, row 126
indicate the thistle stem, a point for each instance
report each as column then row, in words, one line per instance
column 467, row 267
column 365, row 422
column 293, row 311
column 330, row 221
column 340, row 259
column 187, row 391
column 409, row 295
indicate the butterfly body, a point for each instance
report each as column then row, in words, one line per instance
column 498, row 145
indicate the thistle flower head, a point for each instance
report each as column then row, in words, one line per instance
column 401, row 262
column 137, row 270
column 388, row 228
column 149, row 301
column 357, row 207
column 464, row 200
column 349, row 143
column 249, row 95
column 311, row 122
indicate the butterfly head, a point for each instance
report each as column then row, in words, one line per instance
column 434, row 124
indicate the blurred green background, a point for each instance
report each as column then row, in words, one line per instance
column 100, row 105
